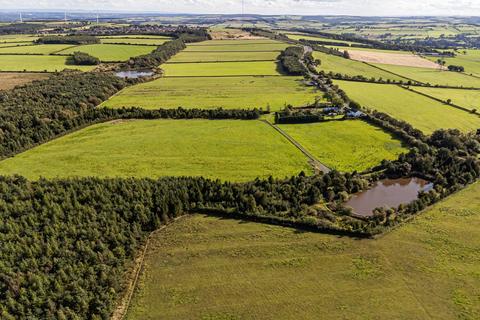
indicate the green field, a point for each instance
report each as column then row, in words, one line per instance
column 346, row 145
column 278, row 46
column 295, row 36
column 156, row 42
column 421, row 112
column 37, row 63
column 433, row 76
column 189, row 56
column 221, row 69
column 465, row 98
column 331, row 63
column 14, row 44
column 470, row 61
column 230, row 150
column 36, row 49
column 17, row 38
column 234, row 42
column 111, row 52
column 210, row 268
column 208, row 93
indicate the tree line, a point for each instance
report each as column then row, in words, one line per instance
column 82, row 59
column 68, row 39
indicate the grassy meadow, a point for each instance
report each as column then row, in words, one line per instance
column 470, row 60
column 37, row 63
column 346, row 145
column 111, row 52
column 433, row 76
column 421, row 112
column 10, row 80
column 36, row 49
column 135, row 41
column 221, row 69
column 229, row 150
column 238, row 47
column 240, row 42
column 210, row 268
column 331, row 63
column 465, row 98
column 215, row 56
column 210, row 93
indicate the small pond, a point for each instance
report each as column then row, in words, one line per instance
column 134, row 74
column 388, row 193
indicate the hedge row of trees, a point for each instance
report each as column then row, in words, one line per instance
column 21, row 28
column 158, row 56
column 82, row 59
column 291, row 58
column 69, row 39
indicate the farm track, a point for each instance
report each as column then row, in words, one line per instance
column 314, row 162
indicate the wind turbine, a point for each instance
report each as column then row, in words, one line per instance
column 21, row 19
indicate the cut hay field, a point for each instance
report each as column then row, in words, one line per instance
column 10, row 80
column 346, row 145
column 222, row 69
column 136, row 41
column 37, row 63
column 331, row 63
column 421, row 112
column 211, row 268
column 111, row 52
column 36, row 49
column 400, row 59
column 434, row 77
column 465, row 98
column 298, row 36
column 238, row 47
column 210, row 93
column 229, row 150
column 191, row 56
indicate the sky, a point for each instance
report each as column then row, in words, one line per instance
column 300, row 7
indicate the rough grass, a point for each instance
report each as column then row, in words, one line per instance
column 331, row 63
column 214, row 69
column 111, row 52
column 208, row 93
column 234, row 42
column 434, row 77
column 421, row 112
column 465, row 98
column 252, row 47
column 156, row 42
column 37, row 63
column 11, row 80
column 209, row 268
column 299, row 36
column 190, row 56
column 346, row 145
column 36, row 49
column 228, row 150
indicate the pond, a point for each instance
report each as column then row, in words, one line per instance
column 388, row 193
column 134, row 74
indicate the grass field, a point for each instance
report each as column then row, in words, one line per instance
column 210, row 268
column 229, row 150
column 298, row 36
column 470, row 61
column 156, row 42
column 240, row 47
column 37, row 63
column 223, row 56
column 433, row 76
column 346, row 145
column 234, row 42
column 331, row 63
column 219, row 69
column 36, row 49
column 208, row 93
column 11, row 80
column 421, row 112
column 111, row 52
column 17, row 38
column 465, row 98
column 14, row 44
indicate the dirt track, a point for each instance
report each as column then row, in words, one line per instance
column 399, row 59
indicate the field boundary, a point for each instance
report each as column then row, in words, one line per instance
column 221, row 61
column 388, row 71
column 317, row 166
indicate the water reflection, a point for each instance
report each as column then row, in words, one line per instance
column 134, row 74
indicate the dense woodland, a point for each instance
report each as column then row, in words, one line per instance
column 291, row 60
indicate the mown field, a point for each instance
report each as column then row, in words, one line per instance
column 111, row 52
column 421, row 112
column 465, row 98
column 208, row 93
column 346, row 145
column 36, row 49
column 238, row 47
column 299, row 36
column 331, row 63
column 222, row 69
column 434, row 77
column 156, row 42
column 237, row 42
column 210, row 268
column 10, row 80
column 37, row 63
column 229, row 150
column 215, row 56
